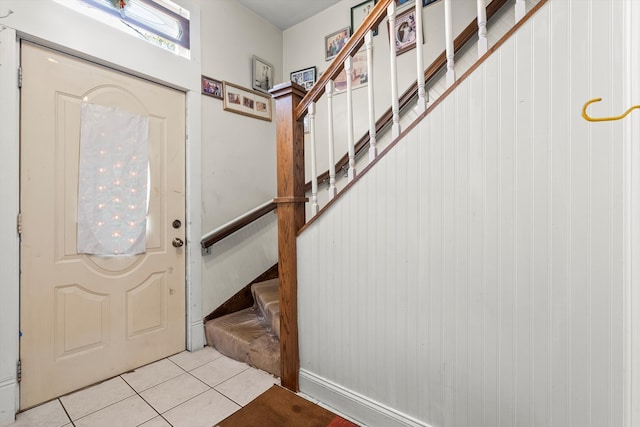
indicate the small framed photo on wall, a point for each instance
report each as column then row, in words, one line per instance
column 360, row 12
column 305, row 77
column 404, row 33
column 261, row 74
column 211, row 87
column 334, row 42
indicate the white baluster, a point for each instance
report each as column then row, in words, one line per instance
column 348, row 70
column 448, row 24
column 314, row 169
column 422, row 97
column 368, row 40
column 521, row 9
column 329, row 89
column 483, row 44
column 395, row 106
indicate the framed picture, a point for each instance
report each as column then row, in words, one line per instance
column 359, row 73
column 359, row 12
column 261, row 74
column 305, row 77
column 404, row 33
column 428, row 2
column 211, row 87
column 334, row 42
column 247, row 102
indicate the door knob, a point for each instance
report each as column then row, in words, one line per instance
column 177, row 243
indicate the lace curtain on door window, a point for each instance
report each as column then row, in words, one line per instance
column 113, row 179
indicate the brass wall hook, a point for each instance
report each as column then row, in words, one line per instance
column 604, row 119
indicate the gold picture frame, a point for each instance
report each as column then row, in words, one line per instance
column 247, row 102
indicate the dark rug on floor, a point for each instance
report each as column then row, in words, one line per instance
column 278, row 407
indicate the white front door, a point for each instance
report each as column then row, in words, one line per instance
column 85, row 318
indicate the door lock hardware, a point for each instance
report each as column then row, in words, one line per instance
column 176, row 223
column 177, row 243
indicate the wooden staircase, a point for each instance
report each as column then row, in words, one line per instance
column 251, row 335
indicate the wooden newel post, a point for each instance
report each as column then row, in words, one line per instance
column 291, row 211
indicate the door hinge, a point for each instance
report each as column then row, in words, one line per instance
column 19, row 370
column 19, row 225
column 19, row 77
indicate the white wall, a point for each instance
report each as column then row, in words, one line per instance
column 479, row 274
column 632, row 217
column 238, row 152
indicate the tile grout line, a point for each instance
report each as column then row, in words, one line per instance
column 66, row 412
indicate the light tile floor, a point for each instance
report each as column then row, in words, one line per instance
column 185, row 390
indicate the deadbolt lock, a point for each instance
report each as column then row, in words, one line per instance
column 176, row 223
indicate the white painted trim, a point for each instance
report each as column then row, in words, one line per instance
column 193, row 309
column 361, row 408
column 9, row 242
column 103, row 47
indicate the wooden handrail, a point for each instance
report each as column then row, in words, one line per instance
column 436, row 66
column 237, row 224
column 355, row 42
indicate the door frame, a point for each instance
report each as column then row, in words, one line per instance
column 139, row 59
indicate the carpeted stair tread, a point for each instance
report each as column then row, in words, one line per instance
column 251, row 335
column 245, row 337
column 266, row 296
column 264, row 353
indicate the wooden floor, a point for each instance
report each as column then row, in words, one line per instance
column 278, row 407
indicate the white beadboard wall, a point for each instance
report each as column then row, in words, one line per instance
column 475, row 276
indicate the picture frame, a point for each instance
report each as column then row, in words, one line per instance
column 305, row 77
column 211, row 87
column 359, row 73
column 359, row 12
column 251, row 103
column 404, row 33
column 334, row 42
column 261, row 74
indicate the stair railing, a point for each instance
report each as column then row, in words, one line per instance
column 292, row 104
column 368, row 143
column 234, row 225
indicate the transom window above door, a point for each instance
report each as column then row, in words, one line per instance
column 160, row 22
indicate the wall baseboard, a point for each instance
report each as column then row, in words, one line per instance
column 197, row 340
column 357, row 407
column 8, row 401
